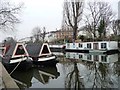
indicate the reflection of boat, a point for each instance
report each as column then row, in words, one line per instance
column 16, row 54
column 40, row 53
column 23, row 78
column 93, row 57
column 43, row 74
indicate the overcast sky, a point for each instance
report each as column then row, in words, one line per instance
column 41, row 13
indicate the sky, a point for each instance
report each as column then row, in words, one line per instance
column 42, row 13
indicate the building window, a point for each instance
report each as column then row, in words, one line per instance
column 80, row 45
column 89, row 57
column 103, row 45
column 89, row 45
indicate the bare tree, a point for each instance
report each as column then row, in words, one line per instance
column 114, row 27
column 36, row 33
column 99, row 13
column 39, row 34
column 9, row 15
column 72, row 14
column 43, row 34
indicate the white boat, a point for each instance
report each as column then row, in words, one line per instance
column 97, row 46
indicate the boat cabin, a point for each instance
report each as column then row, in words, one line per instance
column 15, row 52
column 39, row 51
column 98, row 46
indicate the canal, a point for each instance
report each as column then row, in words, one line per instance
column 74, row 70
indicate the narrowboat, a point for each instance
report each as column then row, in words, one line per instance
column 15, row 54
column 108, row 47
column 40, row 53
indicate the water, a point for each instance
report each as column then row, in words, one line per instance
column 74, row 70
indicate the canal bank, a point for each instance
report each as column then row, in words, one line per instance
column 6, row 80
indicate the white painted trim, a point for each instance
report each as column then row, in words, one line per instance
column 20, row 59
column 16, row 49
column 40, row 54
column 46, row 58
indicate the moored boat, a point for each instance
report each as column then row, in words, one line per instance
column 15, row 54
column 40, row 53
column 108, row 47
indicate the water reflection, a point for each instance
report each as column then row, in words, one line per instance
column 99, row 70
column 42, row 74
column 74, row 70
column 22, row 78
column 73, row 78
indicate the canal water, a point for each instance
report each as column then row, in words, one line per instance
column 74, row 70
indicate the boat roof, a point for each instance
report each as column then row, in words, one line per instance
column 13, row 51
column 38, row 49
column 33, row 48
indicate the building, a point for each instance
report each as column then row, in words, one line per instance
column 64, row 34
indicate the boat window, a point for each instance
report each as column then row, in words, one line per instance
column 73, row 45
column 103, row 59
column 96, row 58
column 89, row 57
column 89, row 45
column 20, row 50
column 103, row 45
column 45, row 50
column 80, row 45
column 68, row 45
column 80, row 56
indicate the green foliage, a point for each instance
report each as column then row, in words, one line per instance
column 101, row 27
column 81, row 37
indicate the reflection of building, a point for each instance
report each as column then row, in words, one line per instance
column 92, row 57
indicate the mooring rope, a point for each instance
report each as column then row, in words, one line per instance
column 16, row 66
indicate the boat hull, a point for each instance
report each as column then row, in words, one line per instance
column 45, row 61
column 77, row 50
column 22, row 65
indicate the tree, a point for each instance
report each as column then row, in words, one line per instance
column 72, row 14
column 39, row 34
column 36, row 33
column 101, row 27
column 115, row 27
column 8, row 15
column 98, row 18
column 43, row 34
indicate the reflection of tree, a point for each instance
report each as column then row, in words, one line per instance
column 103, row 70
column 116, row 66
column 100, row 74
column 73, row 79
